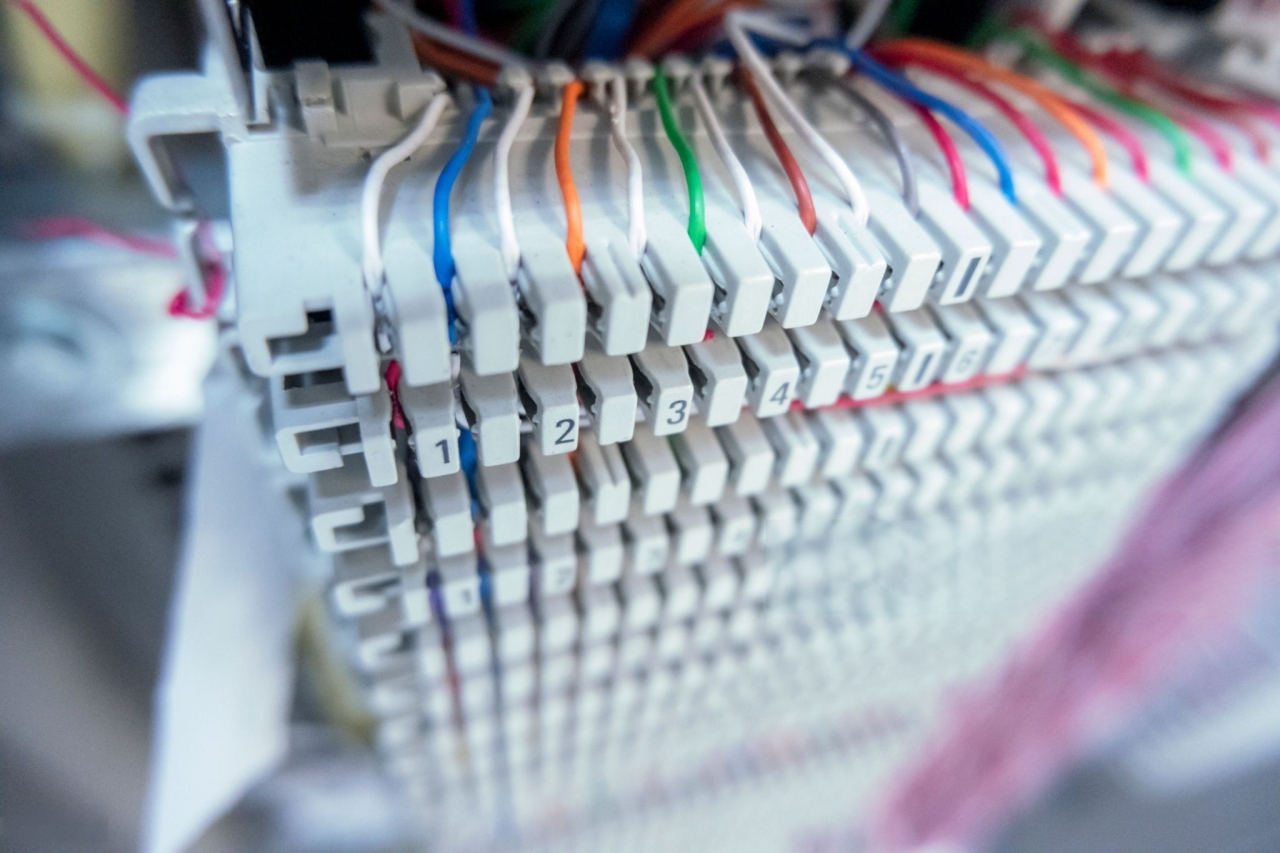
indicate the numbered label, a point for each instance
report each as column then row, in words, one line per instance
column 874, row 380
column 461, row 597
column 671, row 415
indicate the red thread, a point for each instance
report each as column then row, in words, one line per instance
column 215, row 273
column 392, row 375
column 215, row 281
column 1034, row 136
column 60, row 227
column 72, row 57
column 1207, row 134
column 799, row 185
column 933, row 389
column 959, row 177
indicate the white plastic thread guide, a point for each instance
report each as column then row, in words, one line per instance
column 616, row 507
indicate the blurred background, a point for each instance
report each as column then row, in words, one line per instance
column 100, row 393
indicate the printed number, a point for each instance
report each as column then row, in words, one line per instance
column 568, row 425
column 780, row 396
column 924, row 367
column 443, row 444
column 737, row 539
column 678, row 409
column 877, row 377
column 965, row 361
column 564, row 577
column 888, row 448
column 651, row 559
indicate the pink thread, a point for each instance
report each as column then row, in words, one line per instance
column 1187, row 568
column 75, row 227
column 72, row 57
column 931, row 390
column 393, row 375
column 959, row 177
column 1128, row 140
column 60, row 227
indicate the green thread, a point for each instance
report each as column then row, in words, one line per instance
column 527, row 33
column 1043, row 53
column 902, row 14
column 697, row 205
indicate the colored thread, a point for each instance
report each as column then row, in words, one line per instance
column 1050, row 101
column 689, row 160
column 613, row 19
column 371, row 193
column 799, row 185
column 955, row 165
column 454, row 38
column 681, row 17
column 392, row 376
column 901, row 153
column 737, row 26
column 1130, row 67
column 1207, row 134
column 467, row 461
column 1034, row 136
column 933, row 389
column 466, row 16
column 1126, row 138
column 215, row 286
column 902, row 15
column 215, row 272
column 442, row 251
column 741, row 180
column 58, row 227
column 454, row 11
column 1150, row 116
column 903, row 87
column 573, row 241
column 77, row 62
column 449, row 59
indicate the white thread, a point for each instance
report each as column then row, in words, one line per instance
column 451, row 37
column 502, row 180
column 371, row 195
column 741, row 180
column 868, row 19
column 736, row 24
column 637, row 234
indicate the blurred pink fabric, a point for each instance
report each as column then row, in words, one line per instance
column 1206, row 541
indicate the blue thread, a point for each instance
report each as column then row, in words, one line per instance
column 904, row 88
column 613, row 20
column 442, row 252
column 469, row 24
column 436, row 596
column 467, row 456
column 486, row 585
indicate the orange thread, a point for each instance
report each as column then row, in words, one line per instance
column 573, row 242
column 680, row 19
column 1050, row 101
